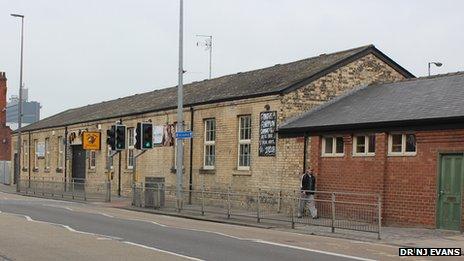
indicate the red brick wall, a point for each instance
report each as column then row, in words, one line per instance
column 5, row 132
column 408, row 184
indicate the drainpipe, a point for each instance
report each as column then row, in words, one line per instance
column 191, row 157
column 65, row 154
column 29, row 158
column 305, row 151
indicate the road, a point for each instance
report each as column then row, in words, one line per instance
column 42, row 229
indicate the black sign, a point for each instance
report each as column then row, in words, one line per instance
column 267, row 133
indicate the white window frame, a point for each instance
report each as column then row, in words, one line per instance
column 367, row 145
column 130, row 148
column 60, row 153
column 36, row 155
column 92, row 159
column 211, row 143
column 334, row 146
column 403, row 145
column 243, row 142
column 47, row 153
column 25, row 161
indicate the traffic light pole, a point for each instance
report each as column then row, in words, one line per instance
column 180, row 105
column 135, row 165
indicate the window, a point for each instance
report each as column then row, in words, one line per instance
column 333, row 146
column 36, row 155
column 25, row 151
column 364, row 145
column 402, row 144
column 47, row 153
column 60, row 153
column 210, row 144
column 92, row 159
column 130, row 151
column 244, row 142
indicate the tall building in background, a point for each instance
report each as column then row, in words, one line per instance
column 5, row 131
column 31, row 111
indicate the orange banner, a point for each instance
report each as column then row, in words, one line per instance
column 91, row 140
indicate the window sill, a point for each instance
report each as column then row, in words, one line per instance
column 333, row 155
column 59, row 170
column 35, row 169
column 239, row 172
column 402, row 154
column 207, row 171
column 92, row 170
column 47, row 170
column 357, row 155
column 24, row 169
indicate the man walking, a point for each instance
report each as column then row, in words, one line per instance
column 308, row 186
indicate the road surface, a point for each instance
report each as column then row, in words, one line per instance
column 42, row 229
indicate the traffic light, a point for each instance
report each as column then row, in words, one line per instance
column 120, row 138
column 144, row 136
column 111, row 137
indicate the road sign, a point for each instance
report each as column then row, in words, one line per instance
column 184, row 135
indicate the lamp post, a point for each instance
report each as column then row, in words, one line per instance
column 180, row 105
column 438, row 64
column 20, row 105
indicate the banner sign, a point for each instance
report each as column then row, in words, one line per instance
column 91, row 140
column 158, row 133
column 267, row 133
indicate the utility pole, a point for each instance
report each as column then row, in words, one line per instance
column 209, row 46
column 180, row 105
column 20, row 105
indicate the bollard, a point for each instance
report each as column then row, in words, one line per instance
column 333, row 212
column 108, row 192
column 258, row 219
column 228, row 202
column 72, row 184
column 159, row 196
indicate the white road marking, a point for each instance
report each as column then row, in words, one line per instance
column 57, row 206
column 106, row 215
column 163, row 251
column 312, row 250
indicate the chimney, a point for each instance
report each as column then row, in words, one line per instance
column 2, row 99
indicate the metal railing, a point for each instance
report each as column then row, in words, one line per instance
column 337, row 210
column 73, row 189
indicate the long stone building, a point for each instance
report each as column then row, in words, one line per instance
column 232, row 119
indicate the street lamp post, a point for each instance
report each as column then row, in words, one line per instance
column 180, row 105
column 438, row 64
column 20, row 105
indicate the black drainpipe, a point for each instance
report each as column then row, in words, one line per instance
column 65, row 154
column 191, row 157
column 305, row 149
column 29, row 158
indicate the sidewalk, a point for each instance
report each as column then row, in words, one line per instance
column 7, row 188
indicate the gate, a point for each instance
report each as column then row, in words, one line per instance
column 5, row 172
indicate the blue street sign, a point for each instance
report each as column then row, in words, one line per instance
column 184, row 135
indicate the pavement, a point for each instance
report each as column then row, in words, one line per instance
column 77, row 231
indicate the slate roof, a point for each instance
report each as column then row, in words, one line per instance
column 428, row 100
column 261, row 82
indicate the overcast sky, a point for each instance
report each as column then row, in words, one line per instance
column 79, row 52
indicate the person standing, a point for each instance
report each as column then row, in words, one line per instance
column 308, row 186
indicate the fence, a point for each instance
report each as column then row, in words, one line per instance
column 5, row 172
column 75, row 189
column 337, row 210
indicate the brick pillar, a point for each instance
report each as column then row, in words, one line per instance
column 5, row 132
